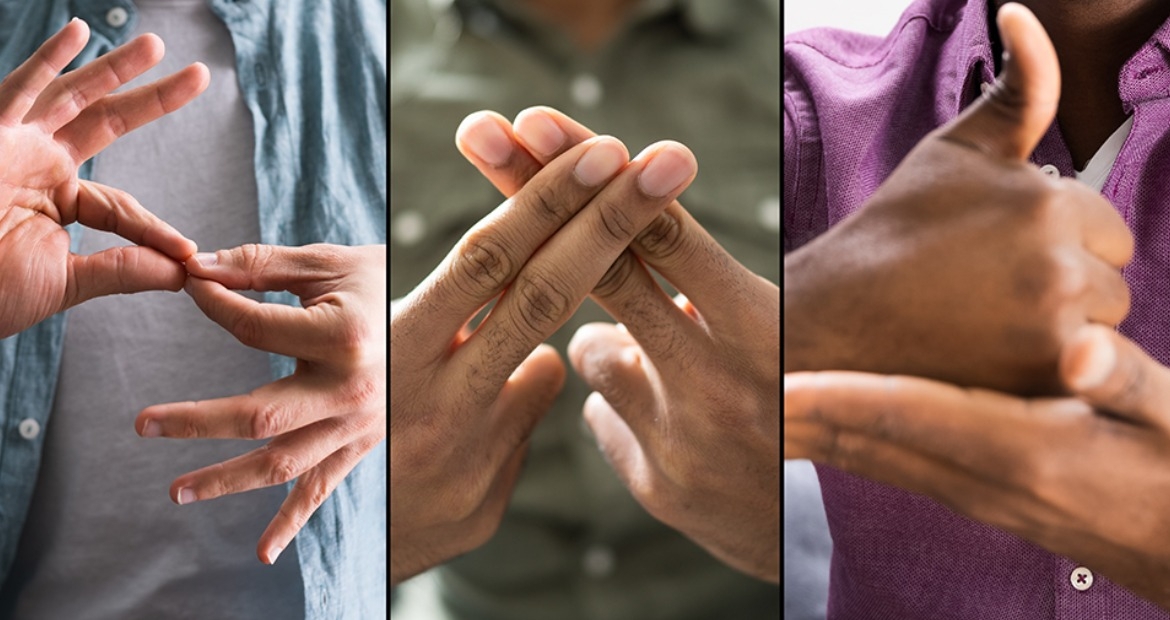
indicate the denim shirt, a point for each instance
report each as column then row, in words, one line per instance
column 313, row 75
column 854, row 106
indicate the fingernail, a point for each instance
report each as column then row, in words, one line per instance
column 151, row 429
column 669, row 168
column 1097, row 366
column 206, row 260
column 186, row 496
column 599, row 163
column 486, row 140
column 273, row 554
column 539, row 131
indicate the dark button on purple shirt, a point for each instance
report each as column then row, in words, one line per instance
column 854, row 106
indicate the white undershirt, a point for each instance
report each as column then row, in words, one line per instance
column 1099, row 166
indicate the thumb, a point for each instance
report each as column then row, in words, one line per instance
column 1114, row 374
column 126, row 269
column 1014, row 114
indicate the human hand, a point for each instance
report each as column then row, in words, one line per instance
column 1093, row 486
column 968, row 264
column 466, row 401
column 687, row 405
column 49, row 126
column 326, row 416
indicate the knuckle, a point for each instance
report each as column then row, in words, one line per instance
column 317, row 489
column 483, row 265
column 115, row 121
column 546, row 201
column 663, row 238
column 544, row 302
column 614, row 224
column 617, row 276
column 280, row 467
column 269, row 418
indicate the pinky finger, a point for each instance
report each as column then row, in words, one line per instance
column 310, row 491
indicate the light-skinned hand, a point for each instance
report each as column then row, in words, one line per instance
column 686, row 407
column 968, row 265
column 326, row 416
column 49, row 126
column 464, row 401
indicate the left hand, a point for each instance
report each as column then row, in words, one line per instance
column 687, row 408
column 1082, row 483
column 328, row 414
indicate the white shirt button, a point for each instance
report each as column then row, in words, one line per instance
column 409, row 228
column 117, row 17
column 598, row 561
column 986, row 86
column 1050, row 170
column 769, row 214
column 586, row 90
column 1081, row 578
column 29, row 428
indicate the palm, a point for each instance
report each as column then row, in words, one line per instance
column 49, row 125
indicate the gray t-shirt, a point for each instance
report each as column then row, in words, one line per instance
column 103, row 540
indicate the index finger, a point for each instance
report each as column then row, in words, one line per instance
column 19, row 91
column 674, row 244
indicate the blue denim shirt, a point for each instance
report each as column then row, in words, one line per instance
column 313, row 75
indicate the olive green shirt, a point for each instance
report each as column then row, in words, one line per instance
column 574, row 543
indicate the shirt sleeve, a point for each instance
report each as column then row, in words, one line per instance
column 803, row 198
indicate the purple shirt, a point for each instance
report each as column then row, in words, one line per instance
column 854, row 106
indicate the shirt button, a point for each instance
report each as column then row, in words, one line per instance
column 409, row 228
column 117, row 17
column 598, row 561
column 29, row 428
column 986, row 86
column 586, row 90
column 1050, row 170
column 1081, row 578
column 769, row 214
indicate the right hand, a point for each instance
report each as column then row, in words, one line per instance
column 463, row 402
column 968, row 265
column 49, row 126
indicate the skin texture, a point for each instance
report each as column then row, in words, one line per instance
column 325, row 417
column 1087, row 478
column 967, row 230
column 466, row 399
column 1084, row 477
column 682, row 384
column 49, row 126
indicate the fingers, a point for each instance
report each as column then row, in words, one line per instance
column 525, row 399
column 493, row 254
column 113, row 210
column 562, row 272
column 617, row 442
column 612, row 364
column 73, row 92
column 665, row 331
column 962, row 427
column 260, row 267
column 674, row 244
column 20, row 90
column 305, row 333
column 1105, row 232
column 310, row 491
column 1012, row 117
column 1108, row 293
column 1113, row 373
column 270, row 410
column 120, row 270
column 113, row 116
column 487, row 141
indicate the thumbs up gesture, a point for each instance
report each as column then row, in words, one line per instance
column 968, row 265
